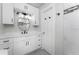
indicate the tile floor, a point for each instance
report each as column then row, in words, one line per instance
column 39, row 52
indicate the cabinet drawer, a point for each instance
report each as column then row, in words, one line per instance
column 3, row 41
column 5, row 46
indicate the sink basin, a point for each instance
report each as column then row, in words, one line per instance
column 3, row 52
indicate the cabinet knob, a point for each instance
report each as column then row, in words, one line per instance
column 58, row 14
column 38, row 45
column 38, row 39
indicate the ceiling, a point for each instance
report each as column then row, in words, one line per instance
column 38, row 5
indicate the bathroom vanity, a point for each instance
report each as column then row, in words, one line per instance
column 24, row 45
column 20, row 44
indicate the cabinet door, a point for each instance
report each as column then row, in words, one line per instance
column 35, row 43
column 7, row 13
column 35, row 12
column 21, row 46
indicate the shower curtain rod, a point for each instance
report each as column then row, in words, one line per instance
column 71, row 9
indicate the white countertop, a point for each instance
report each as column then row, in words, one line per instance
column 8, row 35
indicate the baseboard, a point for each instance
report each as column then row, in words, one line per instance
column 47, row 52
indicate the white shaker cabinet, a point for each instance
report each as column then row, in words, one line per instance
column 35, row 42
column 7, row 13
column 35, row 13
column 25, row 45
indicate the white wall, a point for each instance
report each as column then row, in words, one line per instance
column 66, row 30
column 59, row 29
column 71, row 31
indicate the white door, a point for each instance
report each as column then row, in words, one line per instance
column 71, row 33
column 48, row 28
